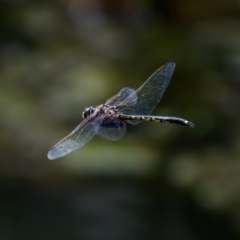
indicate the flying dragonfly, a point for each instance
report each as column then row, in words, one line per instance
column 108, row 120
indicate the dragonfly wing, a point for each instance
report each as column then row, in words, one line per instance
column 81, row 135
column 133, row 122
column 112, row 129
column 123, row 94
column 149, row 94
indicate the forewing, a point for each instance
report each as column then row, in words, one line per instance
column 81, row 135
column 123, row 94
column 149, row 94
column 111, row 128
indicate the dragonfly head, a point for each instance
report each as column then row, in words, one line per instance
column 88, row 111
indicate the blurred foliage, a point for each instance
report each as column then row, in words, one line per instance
column 57, row 57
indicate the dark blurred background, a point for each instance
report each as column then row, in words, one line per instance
column 160, row 181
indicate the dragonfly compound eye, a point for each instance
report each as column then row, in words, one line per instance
column 87, row 111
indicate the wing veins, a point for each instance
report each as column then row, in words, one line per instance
column 150, row 93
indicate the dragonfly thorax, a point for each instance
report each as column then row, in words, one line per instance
column 88, row 111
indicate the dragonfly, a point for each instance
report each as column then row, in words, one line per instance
column 129, row 105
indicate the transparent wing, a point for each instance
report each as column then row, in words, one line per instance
column 81, row 135
column 111, row 128
column 149, row 94
column 123, row 94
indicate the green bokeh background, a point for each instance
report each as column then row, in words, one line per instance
column 160, row 181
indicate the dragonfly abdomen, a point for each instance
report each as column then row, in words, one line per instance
column 157, row 119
